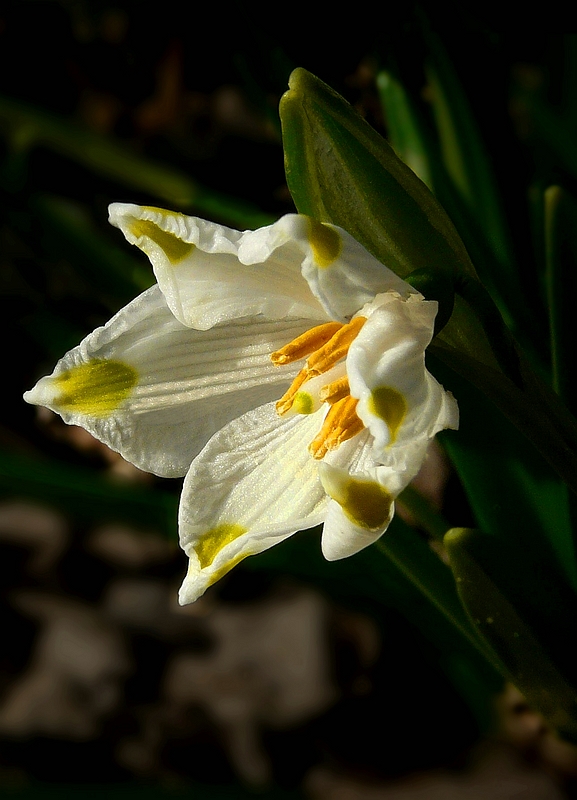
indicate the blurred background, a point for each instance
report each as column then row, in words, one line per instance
column 291, row 678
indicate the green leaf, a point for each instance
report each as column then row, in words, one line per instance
column 80, row 492
column 340, row 170
column 405, row 131
column 526, row 658
column 414, row 559
column 414, row 143
column 28, row 127
column 513, row 492
column 464, row 154
column 531, row 406
column 561, row 278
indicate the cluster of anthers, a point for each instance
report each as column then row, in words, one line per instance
column 325, row 347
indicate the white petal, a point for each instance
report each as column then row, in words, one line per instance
column 342, row 275
column 198, row 269
column 252, row 486
column 187, row 383
column 342, row 538
column 400, row 402
column 362, row 493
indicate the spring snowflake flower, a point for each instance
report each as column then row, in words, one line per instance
column 281, row 370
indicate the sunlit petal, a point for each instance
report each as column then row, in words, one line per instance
column 362, row 496
column 199, row 270
column 155, row 390
column 342, row 275
column 253, row 485
column 184, row 380
column 400, row 402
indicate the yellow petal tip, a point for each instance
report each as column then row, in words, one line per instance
column 94, row 388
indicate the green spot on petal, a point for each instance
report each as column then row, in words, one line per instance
column 366, row 503
column 303, row 403
column 174, row 248
column 213, row 541
column 96, row 388
column 325, row 243
column 389, row 405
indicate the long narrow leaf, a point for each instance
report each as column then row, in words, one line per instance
column 28, row 127
column 526, row 660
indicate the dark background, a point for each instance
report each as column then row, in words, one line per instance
column 196, row 89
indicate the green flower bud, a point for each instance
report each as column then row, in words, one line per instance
column 340, row 170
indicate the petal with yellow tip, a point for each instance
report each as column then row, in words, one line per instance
column 155, row 390
column 254, row 476
column 200, row 272
column 341, row 274
column 400, row 402
column 361, row 507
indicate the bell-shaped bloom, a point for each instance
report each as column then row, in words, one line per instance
column 281, row 370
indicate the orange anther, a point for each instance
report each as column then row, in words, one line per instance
column 336, row 348
column 335, row 391
column 305, row 344
column 341, row 424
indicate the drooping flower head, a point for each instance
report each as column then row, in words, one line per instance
column 281, row 370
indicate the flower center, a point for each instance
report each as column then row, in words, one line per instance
column 323, row 379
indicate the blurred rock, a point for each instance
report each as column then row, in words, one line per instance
column 129, row 548
column 269, row 668
column 75, row 676
column 271, row 661
column 497, row 773
column 145, row 605
column 525, row 729
column 41, row 531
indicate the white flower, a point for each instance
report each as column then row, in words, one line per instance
column 281, row 370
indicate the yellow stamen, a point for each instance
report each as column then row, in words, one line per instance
column 335, row 391
column 285, row 403
column 336, row 348
column 341, row 424
column 325, row 345
column 305, row 344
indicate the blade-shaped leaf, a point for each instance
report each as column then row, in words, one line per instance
column 526, row 658
column 404, row 131
column 27, row 127
column 561, row 274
